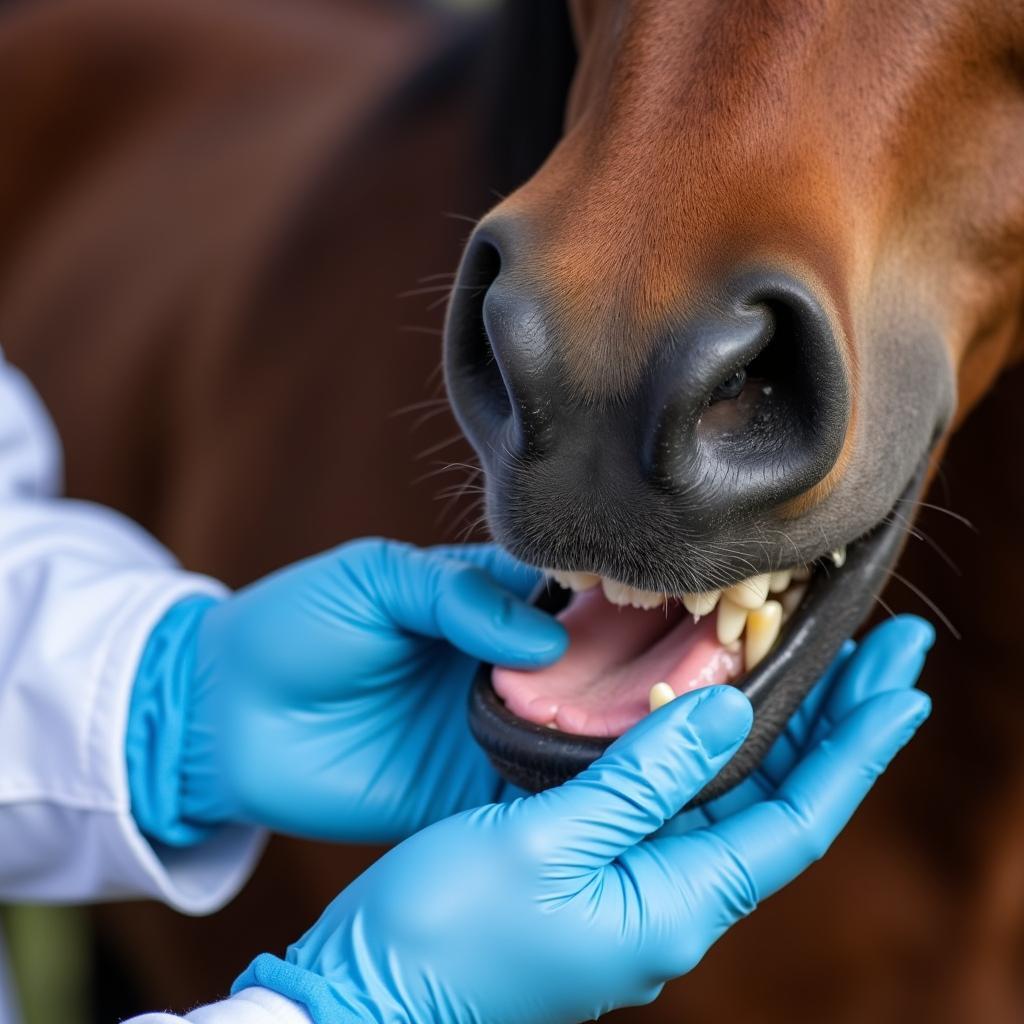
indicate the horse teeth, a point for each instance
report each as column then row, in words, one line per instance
column 791, row 599
column 763, row 625
column 746, row 617
column 701, row 603
column 616, row 593
column 731, row 620
column 660, row 695
column 838, row 556
column 578, row 581
column 750, row 593
column 621, row 594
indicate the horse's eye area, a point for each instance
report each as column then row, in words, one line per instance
column 730, row 387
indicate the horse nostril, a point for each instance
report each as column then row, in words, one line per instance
column 474, row 373
column 754, row 398
column 730, row 387
column 498, row 354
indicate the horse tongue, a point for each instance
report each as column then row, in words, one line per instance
column 602, row 684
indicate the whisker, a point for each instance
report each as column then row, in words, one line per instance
column 431, row 289
column 435, row 448
column 887, row 607
column 423, row 403
column 437, row 303
column 434, row 332
column 945, row 511
column 447, row 467
column 928, row 601
column 428, row 416
column 467, row 533
column 461, row 216
column 459, row 490
column 920, row 534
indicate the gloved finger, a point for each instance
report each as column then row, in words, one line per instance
column 890, row 657
column 745, row 858
column 645, row 776
column 787, row 749
column 513, row 575
column 796, row 737
column 804, row 719
column 433, row 595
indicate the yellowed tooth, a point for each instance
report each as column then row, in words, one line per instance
column 660, row 695
column 838, row 557
column 577, row 581
column 645, row 599
column 701, row 603
column 622, row 594
column 802, row 573
column 749, row 593
column 778, row 581
column 731, row 620
column 763, row 625
column 615, row 592
column 791, row 599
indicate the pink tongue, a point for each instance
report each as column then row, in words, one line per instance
column 602, row 684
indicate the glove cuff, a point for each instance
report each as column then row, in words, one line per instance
column 157, row 719
column 322, row 1000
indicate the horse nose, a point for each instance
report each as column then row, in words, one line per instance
column 740, row 405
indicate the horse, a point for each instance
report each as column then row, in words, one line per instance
column 726, row 332
column 285, row 168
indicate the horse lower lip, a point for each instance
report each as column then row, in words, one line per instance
column 535, row 757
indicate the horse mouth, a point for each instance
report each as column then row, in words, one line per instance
column 631, row 651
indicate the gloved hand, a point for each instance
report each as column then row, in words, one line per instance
column 557, row 908
column 329, row 699
column 890, row 659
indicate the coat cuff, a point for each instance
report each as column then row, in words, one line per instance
column 199, row 879
column 250, row 1006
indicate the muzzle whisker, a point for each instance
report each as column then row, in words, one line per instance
column 436, row 447
column 917, row 533
column 433, row 332
column 945, row 511
column 445, row 467
column 913, row 588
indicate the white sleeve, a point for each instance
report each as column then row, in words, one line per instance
column 250, row 1006
column 81, row 588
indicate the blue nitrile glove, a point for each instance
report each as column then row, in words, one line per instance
column 329, row 699
column 890, row 658
column 557, row 908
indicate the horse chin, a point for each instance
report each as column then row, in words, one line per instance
column 537, row 754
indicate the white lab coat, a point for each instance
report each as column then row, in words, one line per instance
column 81, row 587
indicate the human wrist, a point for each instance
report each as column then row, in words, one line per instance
column 158, row 720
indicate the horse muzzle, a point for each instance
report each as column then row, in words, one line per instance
column 664, row 504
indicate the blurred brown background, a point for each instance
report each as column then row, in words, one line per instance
column 227, row 234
